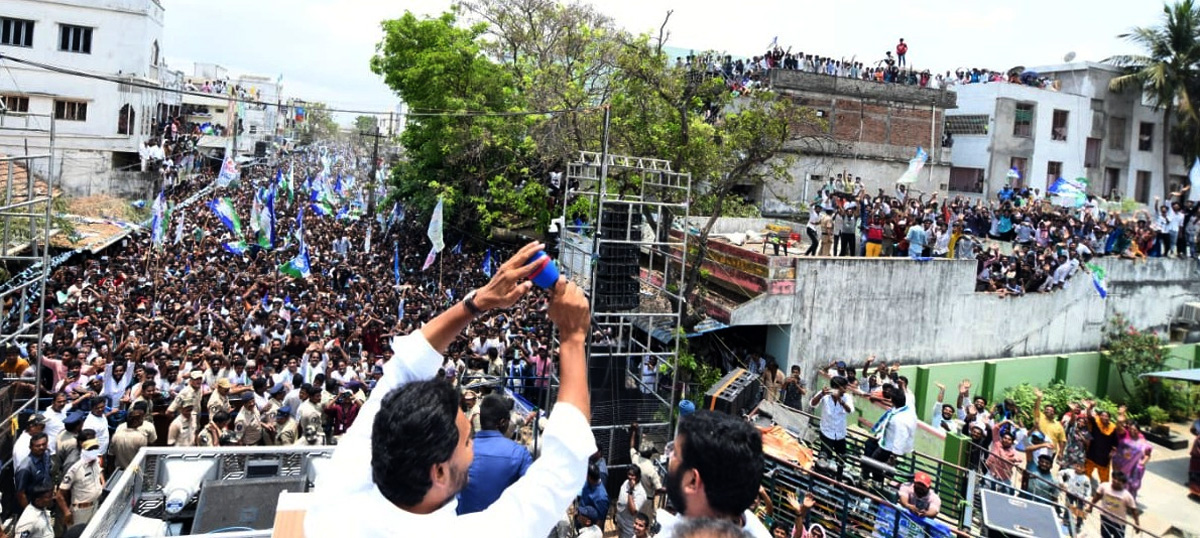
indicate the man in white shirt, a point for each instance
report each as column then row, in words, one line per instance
column 406, row 457
column 715, row 452
column 896, row 432
column 835, row 405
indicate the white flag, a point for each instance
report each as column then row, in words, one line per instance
column 435, row 228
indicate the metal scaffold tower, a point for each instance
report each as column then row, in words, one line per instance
column 615, row 245
column 26, row 210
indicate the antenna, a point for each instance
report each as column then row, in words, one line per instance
column 1069, row 56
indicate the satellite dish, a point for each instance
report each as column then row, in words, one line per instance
column 1070, row 56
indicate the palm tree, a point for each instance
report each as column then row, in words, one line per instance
column 1167, row 69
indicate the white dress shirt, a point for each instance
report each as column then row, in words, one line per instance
column 833, row 416
column 55, row 425
column 530, row 507
column 901, row 431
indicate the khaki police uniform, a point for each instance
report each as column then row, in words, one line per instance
column 247, row 428
column 83, row 482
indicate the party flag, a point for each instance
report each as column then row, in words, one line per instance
column 457, row 248
column 487, row 263
column 435, row 228
column 237, row 248
column 224, row 210
column 430, row 258
column 1098, row 279
column 914, row 167
column 297, row 267
column 396, row 264
column 229, row 172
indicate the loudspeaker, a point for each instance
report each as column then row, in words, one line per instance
column 1005, row 516
column 736, row 393
column 260, row 150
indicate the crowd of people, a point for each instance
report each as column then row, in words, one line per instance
column 1022, row 241
column 750, row 73
column 1077, row 458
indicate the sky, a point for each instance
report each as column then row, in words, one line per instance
column 323, row 47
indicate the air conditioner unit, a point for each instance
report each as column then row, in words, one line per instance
column 1190, row 313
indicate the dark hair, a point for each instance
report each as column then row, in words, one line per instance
column 492, row 411
column 708, row 528
column 416, row 428
column 297, row 380
column 33, row 438
column 84, row 435
column 307, row 389
column 1119, row 475
column 898, row 399
column 147, row 384
column 221, row 417
column 727, row 452
column 139, row 406
column 645, row 519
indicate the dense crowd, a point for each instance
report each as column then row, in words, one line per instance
column 892, row 69
column 1022, row 241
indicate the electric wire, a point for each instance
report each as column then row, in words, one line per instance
column 234, row 99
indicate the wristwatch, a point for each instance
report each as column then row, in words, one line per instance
column 469, row 303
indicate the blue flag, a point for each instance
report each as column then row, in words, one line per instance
column 487, row 263
column 396, row 264
column 457, row 248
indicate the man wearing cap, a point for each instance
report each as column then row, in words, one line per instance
column 131, row 436
column 247, row 427
column 68, row 443
column 919, row 497
column 471, row 400
column 586, row 523
column 194, row 392
column 218, row 400
column 285, row 427
column 35, row 424
column 182, row 432
column 83, row 482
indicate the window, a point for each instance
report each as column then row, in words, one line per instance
column 1019, row 164
column 1142, row 189
column 16, row 103
column 75, row 39
column 1091, row 154
column 1058, row 125
column 70, row 110
column 1116, row 133
column 1146, row 136
column 16, row 32
column 1023, row 120
column 1053, row 171
column 1112, row 183
column 125, row 119
column 970, row 124
column 966, row 179
column 154, row 53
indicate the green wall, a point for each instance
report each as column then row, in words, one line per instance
column 1083, row 370
column 950, row 375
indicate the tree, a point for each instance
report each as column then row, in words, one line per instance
column 364, row 125
column 318, row 124
column 459, row 143
column 1167, row 71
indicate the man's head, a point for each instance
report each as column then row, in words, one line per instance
column 921, row 484
column 60, row 401
column 493, row 413
column 41, row 496
column 196, row 379
column 641, row 525
column 421, row 446
column 709, row 528
column 715, row 466
column 137, row 414
column 36, row 424
column 1045, row 462
column 947, row 412
column 1118, row 480
column 39, row 443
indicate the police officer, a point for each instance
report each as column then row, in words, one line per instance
column 247, row 427
column 182, row 431
column 286, row 429
column 213, row 434
column 84, row 482
column 36, row 521
column 310, row 413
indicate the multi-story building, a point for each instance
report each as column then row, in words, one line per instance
column 872, row 130
column 218, row 103
column 99, row 124
column 1075, row 128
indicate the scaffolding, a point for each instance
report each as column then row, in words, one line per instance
column 633, row 273
column 26, row 210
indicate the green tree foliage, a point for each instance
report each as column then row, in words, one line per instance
column 1060, row 395
column 318, row 124
column 1167, row 72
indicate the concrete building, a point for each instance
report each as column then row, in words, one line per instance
column 1079, row 130
column 873, row 130
column 250, row 102
column 99, row 124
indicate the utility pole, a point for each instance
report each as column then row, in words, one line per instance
column 374, row 168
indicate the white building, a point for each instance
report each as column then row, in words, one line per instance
column 1080, row 130
column 99, row 124
column 251, row 102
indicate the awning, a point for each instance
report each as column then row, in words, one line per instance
column 1192, row 375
